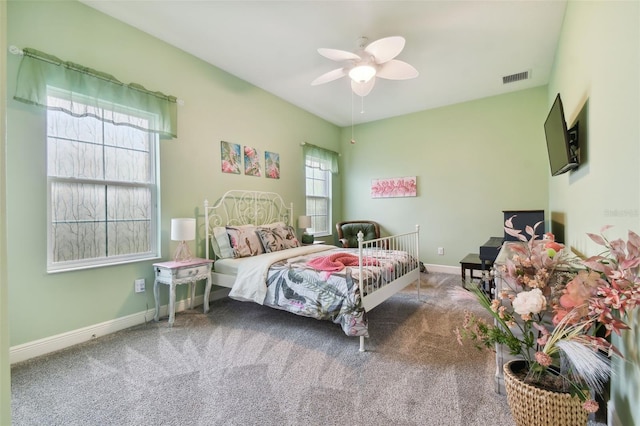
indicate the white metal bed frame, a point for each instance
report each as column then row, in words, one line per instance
column 238, row 207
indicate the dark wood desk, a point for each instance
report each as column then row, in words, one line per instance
column 471, row 262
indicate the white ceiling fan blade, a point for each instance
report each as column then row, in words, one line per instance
column 362, row 89
column 338, row 55
column 330, row 76
column 396, row 70
column 385, row 49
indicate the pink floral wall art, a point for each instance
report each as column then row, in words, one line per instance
column 252, row 162
column 272, row 165
column 394, row 187
column 230, row 157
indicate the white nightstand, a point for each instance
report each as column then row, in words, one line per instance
column 176, row 273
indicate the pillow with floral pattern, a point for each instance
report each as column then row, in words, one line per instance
column 244, row 241
column 277, row 238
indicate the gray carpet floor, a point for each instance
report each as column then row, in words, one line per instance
column 245, row 364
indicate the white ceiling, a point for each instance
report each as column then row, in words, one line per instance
column 461, row 49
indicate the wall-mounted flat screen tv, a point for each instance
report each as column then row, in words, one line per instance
column 562, row 143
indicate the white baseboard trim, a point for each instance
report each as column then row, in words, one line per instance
column 444, row 269
column 50, row 344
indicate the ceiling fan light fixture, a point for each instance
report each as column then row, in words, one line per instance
column 362, row 73
column 370, row 62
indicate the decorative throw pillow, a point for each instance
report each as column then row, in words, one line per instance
column 277, row 238
column 215, row 247
column 244, row 241
column 220, row 241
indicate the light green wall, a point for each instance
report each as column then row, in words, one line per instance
column 472, row 161
column 598, row 64
column 5, row 382
column 217, row 106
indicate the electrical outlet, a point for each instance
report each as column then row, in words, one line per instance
column 139, row 285
column 440, row 251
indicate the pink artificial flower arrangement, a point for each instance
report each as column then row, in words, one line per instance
column 557, row 310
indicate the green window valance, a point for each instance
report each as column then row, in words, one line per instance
column 328, row 159
column 92, row 90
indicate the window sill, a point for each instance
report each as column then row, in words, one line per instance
column 56, row 270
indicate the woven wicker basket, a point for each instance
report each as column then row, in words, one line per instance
column 532, row 406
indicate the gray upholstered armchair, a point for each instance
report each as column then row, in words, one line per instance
column 348, row 231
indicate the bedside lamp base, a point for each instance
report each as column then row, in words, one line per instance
column 183, row 254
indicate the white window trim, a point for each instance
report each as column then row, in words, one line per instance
column 154, row 233
column 329, row 197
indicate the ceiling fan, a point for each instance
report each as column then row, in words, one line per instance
column 368, row 62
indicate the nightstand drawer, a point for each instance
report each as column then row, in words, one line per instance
column 192, row 271
column 186, row 272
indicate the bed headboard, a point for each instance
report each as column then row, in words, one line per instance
column 238, row 207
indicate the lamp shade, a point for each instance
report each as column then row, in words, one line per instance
column 304, row 222
column 183, row 229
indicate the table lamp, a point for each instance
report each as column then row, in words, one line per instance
column 304, row 222
column 183, row 230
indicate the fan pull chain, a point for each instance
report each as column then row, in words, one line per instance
column 353, row 141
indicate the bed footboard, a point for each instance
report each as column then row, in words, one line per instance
column 404, row 249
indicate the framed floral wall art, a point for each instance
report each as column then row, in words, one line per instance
column 272, row 165
column 252, row 162
column 230, row 157
column 394, row 187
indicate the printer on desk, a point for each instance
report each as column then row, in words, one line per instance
column 489, row 251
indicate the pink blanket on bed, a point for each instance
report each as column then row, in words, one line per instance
column 337, row 262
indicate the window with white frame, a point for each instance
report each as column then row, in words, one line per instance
column 102, row 185
column 318, row 195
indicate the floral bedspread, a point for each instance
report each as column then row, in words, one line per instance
column 294, row 286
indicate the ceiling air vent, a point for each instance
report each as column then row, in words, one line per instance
column 524, row 75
